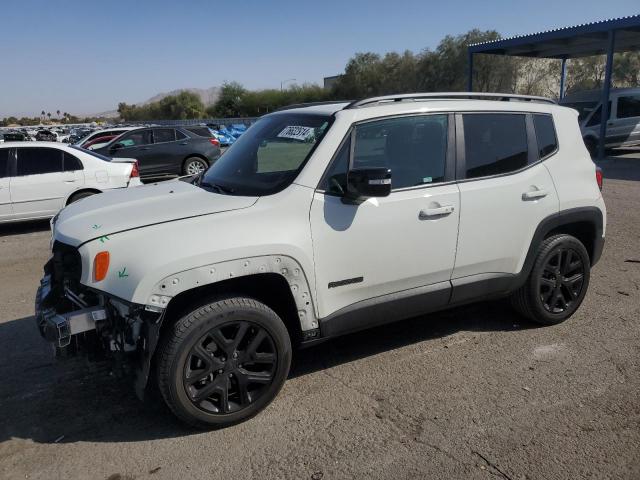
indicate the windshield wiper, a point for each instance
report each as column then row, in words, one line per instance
column 216, row 187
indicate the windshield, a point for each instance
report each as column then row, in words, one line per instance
column 90, row 152
column 268, row 156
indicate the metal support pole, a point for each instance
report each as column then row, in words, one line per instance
column 604, row 117
column 470, row 72
column 563, row 76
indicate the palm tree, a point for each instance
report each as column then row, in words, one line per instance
column 42, row 114
column 49, row 115
column 58, row 113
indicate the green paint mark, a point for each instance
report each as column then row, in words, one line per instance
column 96, row 226
column 103, row 238
column 123, row 273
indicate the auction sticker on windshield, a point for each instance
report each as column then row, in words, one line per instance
column 296, row 132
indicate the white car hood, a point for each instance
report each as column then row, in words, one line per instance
column 130, row 208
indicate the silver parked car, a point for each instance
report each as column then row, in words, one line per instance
column 623, row 123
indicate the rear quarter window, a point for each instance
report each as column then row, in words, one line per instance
column 200, row 131
column 545, row 135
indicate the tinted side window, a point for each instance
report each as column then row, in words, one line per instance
column 71, row 163
column 201, row 131
column 494, row 143
column 545, row 135
column 4, row 162
column 33, row 161
column 629, row 106
column 161, row 135
column 595, row 119
column 414, row 148
column 142, row 137
column 180, row 135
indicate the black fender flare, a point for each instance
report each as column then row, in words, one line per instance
column 572, row 216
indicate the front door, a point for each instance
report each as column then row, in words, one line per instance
column 382, row 246
column 136, row 144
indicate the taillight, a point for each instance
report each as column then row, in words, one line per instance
column 599, row 177
column 134, row 171
column 214, row 141
column 100, row 266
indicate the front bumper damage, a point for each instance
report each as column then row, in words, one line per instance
column 77, row 320
column 59, row 328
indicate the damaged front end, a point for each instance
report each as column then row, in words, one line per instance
column 80, row 320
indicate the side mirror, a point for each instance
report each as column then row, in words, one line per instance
column 117, row 146
column 369, row 182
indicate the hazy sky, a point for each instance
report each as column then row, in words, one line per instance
column 84, row 56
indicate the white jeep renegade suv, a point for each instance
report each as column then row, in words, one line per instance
column 322, row 220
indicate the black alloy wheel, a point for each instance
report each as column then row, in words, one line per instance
column 230, row 367
column 561, row 280
column 223, row 362
column 557, row 282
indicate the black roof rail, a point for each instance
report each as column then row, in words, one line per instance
column 448, row 95
column 311, row 104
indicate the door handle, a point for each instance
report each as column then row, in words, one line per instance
column 535, row 194
column 69, row 181
column 145, row 148
column 184, row 143
column 436, row 212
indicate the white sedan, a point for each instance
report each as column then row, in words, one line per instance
column 37, row 179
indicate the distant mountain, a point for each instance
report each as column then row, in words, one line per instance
column 207, row 95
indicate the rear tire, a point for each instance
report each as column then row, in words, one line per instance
column 224, row 362
column 194, row 166
column 557, row 283
column 79, row 196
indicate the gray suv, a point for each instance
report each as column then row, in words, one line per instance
column 164, row 151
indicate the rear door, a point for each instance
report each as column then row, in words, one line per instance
column 167, row 152
column 626, row 125
column 6, row 210
column 40, row 187
column 505, row 190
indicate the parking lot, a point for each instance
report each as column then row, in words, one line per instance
column 471, row 393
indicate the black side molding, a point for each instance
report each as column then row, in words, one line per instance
column 427, row 299
column 386, row 309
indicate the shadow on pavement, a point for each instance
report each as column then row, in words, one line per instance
column 20, row 228
column 49, row 401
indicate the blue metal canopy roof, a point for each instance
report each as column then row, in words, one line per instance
column 569, row 42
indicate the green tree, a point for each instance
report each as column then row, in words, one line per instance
column 229, row 103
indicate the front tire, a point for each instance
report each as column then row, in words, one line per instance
column 557, row 283
column 224, row 362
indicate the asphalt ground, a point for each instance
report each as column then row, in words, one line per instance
column 475, row 392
